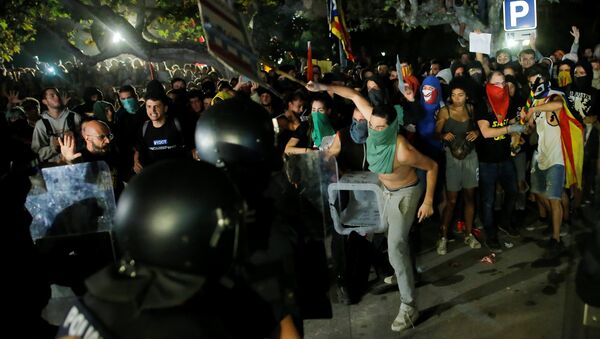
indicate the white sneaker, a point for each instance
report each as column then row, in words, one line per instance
column 406, row 318
column 441, row 246
column 391, row 280
column 472, row 241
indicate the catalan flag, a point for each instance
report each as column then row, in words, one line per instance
column 337, row 26
column 571, row 132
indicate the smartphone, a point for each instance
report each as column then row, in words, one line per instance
column 244, row 79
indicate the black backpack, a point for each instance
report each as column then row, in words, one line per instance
column 70, row 124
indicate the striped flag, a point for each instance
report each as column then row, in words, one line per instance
column 571, row 132
column 337, row 26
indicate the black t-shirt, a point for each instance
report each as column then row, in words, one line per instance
column 301, row 133
column 584, row 102
column 352, row 156
column 496, row 149
column 156, row 144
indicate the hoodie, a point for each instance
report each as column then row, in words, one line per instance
column 41, row 141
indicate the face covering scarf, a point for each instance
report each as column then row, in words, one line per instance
column 376, row 97
column 321, row 128
column 381, row 148
column 130, row 105
column 359, row 130
column 499, row 100
column 564, row 78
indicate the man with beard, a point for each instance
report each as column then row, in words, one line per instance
column 55, row 122
column 98, row 142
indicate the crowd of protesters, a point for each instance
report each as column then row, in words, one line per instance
column 493, row 125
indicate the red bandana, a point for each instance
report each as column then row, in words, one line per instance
column 499, row 100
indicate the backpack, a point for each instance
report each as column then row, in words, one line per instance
column 70, row 124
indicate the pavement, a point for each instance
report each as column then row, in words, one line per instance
column 521, row 295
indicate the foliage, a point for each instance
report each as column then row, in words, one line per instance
column 89, row 25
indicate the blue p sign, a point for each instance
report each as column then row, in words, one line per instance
column 519, row 15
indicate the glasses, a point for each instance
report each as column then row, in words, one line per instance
column 102, row 136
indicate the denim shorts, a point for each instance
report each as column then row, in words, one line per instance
column 548, row 182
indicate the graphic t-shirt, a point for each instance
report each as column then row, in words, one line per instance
column 156, row 144
column 494, row 150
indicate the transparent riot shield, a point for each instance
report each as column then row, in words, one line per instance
column 312, row 174
column 73, row 207
column 71, row 199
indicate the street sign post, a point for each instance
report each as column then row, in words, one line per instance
column 520, row 15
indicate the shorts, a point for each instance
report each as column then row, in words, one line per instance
column 461, row 173
column 548, row 182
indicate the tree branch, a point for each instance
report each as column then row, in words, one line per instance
column 140, row 23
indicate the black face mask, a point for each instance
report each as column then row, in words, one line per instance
column 582, row 83
column 478, row 77
column 376, row 97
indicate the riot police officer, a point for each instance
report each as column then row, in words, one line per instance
column 285, row 235
column 179, row 231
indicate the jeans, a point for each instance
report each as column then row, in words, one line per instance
column 400, row 208
column 490, row 173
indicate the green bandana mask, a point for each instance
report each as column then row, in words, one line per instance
column 381, row 148
column 321, row 128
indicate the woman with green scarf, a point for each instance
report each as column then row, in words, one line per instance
column 310, row 134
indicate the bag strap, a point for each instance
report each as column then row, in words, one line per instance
column 71, row 122
column 145, row 128
column 48, row 126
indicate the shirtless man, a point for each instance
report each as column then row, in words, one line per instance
column 395, row 160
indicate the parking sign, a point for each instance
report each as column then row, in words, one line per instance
column 520, row 15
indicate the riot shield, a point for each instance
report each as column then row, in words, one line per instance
column 73, row 207
column 310, row 174
column 71, row 199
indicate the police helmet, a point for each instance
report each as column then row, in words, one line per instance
column 180, row 215
column 237, row 132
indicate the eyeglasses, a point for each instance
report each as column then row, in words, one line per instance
column 102, row 136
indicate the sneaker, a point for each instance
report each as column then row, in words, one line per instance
column 537, row 225
column 343, row 296
column 564, row 228
column 510, row 231
column 462, row 42
column 391, row 280
column 494, row 245
column 406, row 318
column 472, row 242
column 441, row 246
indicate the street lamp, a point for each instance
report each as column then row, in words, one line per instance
column 117, row 37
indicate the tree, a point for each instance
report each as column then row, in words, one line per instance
column 409, row 14
column 95, row 30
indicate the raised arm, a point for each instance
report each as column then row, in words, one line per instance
column 361, row 103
